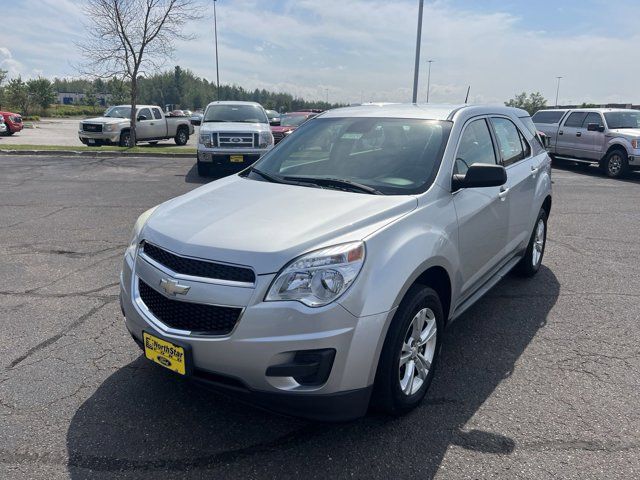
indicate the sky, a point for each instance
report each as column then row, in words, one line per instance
column 351, row 51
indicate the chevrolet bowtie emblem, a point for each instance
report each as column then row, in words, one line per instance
column 172, row 287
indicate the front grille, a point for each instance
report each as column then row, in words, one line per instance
column 196, row 318
column 236, row 140
column 198, row 268
column 277, row 136
column 92, row 127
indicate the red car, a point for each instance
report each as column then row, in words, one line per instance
column 289, row 122
column 13, row 121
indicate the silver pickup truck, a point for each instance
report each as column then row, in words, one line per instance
column 152, row 126
column 606, row 136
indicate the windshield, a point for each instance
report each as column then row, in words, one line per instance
column 235, row 113
column 623, row 119
column 292, row 120
column 118, row 112
column 394, row 156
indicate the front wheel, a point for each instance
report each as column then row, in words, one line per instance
column 530, row 263
column 125, row 139
column 182, row 137
column 410, row 351
column 616, row 163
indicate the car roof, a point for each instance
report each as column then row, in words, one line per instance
column 427, row 111
column 234, row 102
column 597, row 110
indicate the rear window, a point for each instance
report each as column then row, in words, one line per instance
column 575, row 119
column 548, row 116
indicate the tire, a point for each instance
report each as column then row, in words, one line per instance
column 393, row 378
column 616, row 163
column 530, row 263
column 203, row 170
column 182, row 136
column 125, row 139
column 9, row 132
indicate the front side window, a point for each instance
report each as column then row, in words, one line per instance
column 475, row 146
column 146, row 113
column 575, row 119
column 622, row 119
column 509, row 140
column 394, row 156
column 235, row 113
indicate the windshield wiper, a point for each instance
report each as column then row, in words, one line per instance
column 337, row 182
column 286, row 180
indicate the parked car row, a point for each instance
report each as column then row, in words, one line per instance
column 607, row 137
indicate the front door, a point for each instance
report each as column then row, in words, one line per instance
column 482, row 212
column 144, row 128
column 592, row 142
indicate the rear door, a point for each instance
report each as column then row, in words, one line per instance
column 482, row 214
column 592, row 142
column 518, row 193
column 569, row 135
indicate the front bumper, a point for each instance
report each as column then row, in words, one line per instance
column 226, row 160
column 98, row 137
column 269, row 334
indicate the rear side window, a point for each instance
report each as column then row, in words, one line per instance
column 509, row 140
column 475, row 146
column 156, row 114
column 548, row 116
column 592, row 118
column 575, row 119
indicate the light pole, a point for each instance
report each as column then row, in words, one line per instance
column 215, row 31
column 557, row 90
column 416, row 67
column 429, row 79
column 326, row 91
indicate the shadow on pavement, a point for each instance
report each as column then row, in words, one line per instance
column 143, row 421
column 593, row 170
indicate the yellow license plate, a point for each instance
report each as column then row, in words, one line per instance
column 236, row 158
column 165, row 353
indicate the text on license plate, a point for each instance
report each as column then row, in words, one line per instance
column 164, row 353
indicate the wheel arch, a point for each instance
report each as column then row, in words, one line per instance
column 612, row 147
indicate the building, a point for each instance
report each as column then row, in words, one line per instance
column 74, row 98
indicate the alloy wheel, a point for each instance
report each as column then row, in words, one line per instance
column 418, row 350
column 538, row 243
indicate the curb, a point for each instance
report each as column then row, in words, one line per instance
column 75, row 153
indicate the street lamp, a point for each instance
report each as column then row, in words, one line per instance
column 326, row 91
column 416, row 67
column 557, row 90
column 429, row 79
column 215, row 31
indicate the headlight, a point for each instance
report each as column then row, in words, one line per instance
column 137, row 228
column 109, row 128
column 320, row 277
column 266, row 139
column 635, row 143
column 205, row 139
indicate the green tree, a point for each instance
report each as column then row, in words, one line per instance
column 18, row 95
column 3, row 77
column 41, row 93
column 531, row 103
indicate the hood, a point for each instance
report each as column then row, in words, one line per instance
column 265, row 225
column 627, row 132
column 280, row 129
column 233, row 127
column 108, row 120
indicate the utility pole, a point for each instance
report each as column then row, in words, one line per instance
column 557, row 90
column 417, row 64
column 429, row 79
column 215, row 31
column 326, row 90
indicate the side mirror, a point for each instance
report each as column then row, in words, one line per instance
column 480, row 175
column 142, row 117
column 595, row 127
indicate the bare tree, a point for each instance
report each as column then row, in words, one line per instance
column 129, row 38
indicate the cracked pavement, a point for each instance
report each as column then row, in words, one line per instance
column 540, row 379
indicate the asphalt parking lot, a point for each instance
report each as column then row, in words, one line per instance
column 539, row 379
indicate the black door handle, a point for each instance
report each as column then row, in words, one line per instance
column 579, row 134
column 560, row 132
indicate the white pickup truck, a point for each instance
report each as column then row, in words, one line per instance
column 152, row 125
column 609, row 137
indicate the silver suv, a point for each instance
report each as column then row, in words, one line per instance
column 321, row 279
